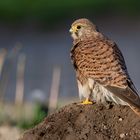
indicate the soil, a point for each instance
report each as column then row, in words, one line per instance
column 87, row 122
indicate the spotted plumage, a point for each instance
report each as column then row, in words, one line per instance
column 100, row 67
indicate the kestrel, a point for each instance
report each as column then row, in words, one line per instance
column 100, row 68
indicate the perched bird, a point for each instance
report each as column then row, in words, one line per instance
column 100, row 68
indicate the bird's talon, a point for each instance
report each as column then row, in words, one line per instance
column 87, row 102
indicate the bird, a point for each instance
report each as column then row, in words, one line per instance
column 101, row 71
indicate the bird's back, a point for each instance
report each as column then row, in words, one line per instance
column 100, row 59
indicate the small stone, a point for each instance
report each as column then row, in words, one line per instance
column 104, row 127
column 120, row 119
column 122, row 135
column 47, row 126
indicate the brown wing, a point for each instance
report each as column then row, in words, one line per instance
column 128, row 95
column 102, row 60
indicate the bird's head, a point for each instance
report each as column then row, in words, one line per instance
column 82, row 28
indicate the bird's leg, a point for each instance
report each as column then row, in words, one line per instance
column 87, row 102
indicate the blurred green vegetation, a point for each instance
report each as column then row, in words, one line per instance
column 54, row 10
column 38, row 116
column 22, row 116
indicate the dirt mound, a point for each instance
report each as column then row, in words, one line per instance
column 88, row 122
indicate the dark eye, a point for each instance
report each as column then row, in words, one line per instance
column 78, row 27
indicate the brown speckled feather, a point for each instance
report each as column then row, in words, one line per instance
column 101, row 60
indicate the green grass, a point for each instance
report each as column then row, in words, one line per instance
column 38, row 116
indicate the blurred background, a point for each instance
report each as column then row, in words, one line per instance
column 36, row 74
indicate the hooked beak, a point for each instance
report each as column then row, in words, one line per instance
column 70, row 30
column 73, row 30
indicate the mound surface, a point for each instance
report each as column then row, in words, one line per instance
column 87, row 122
